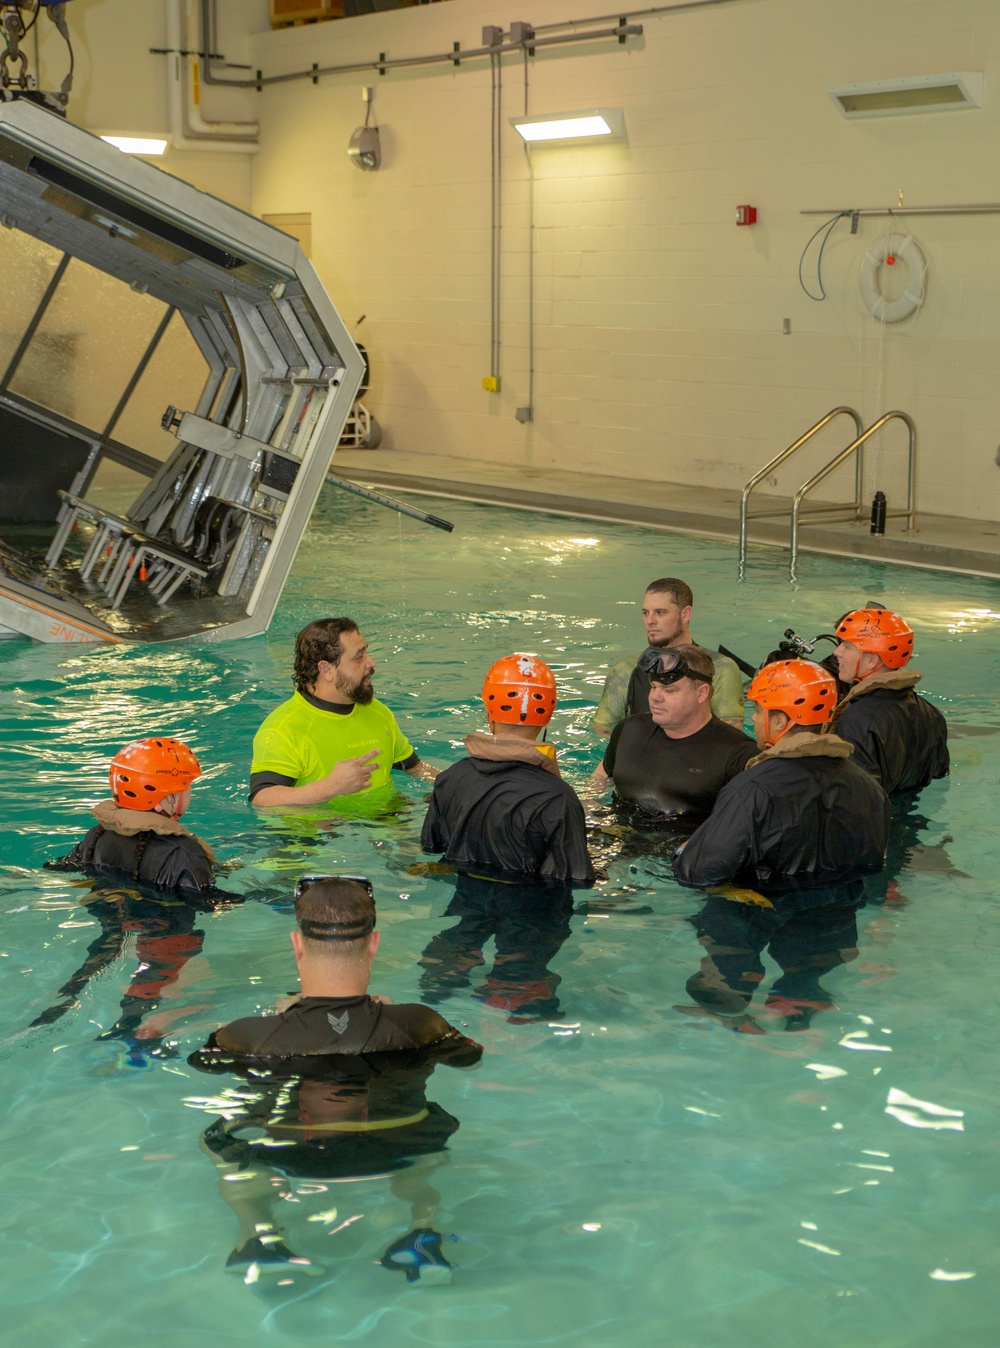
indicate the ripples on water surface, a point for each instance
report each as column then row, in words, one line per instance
column 624, row 1175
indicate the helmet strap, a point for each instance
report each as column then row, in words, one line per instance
column 769, row 740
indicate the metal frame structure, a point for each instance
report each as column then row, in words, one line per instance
column 283, row 370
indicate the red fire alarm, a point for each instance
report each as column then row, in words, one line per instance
column 746, row 215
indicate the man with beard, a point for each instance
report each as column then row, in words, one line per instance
column 666, row 616
column 332, row 738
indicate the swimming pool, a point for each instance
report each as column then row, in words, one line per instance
column 625, row 1174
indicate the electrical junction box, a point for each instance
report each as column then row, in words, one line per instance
column 746, row 215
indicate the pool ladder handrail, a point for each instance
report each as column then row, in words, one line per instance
column 858, row 447
column 787, row 454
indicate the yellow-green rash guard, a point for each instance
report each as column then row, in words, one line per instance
column 304, row 739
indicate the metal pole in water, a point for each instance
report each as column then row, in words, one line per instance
column 390, row 503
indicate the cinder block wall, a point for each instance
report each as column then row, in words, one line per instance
column 660, row 352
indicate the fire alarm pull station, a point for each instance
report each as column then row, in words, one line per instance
column 746, row 215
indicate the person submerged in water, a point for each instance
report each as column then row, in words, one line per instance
column 152, row 878
column 515, row 833
column 672, row 761
column 898, row 736
column 138, row 836
column 340, row 1077
column 785, row 852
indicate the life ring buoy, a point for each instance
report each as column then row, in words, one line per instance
column 889, row 251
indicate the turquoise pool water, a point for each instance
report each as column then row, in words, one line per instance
column 625, row 1174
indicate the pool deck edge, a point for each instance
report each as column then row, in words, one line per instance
column 718, row 521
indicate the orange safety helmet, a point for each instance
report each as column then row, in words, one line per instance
column 804, row 691
column 520, row 690
column 880, row 631
column 145, row 771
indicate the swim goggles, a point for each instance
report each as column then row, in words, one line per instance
column 353, row 930
column 667, row 667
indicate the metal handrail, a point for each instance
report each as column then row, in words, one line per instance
column 787, row 453
column 858, row 447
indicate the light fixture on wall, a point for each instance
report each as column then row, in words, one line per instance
column 151, row 145
column 553, row 128
column 364, row 148
column 917, row 93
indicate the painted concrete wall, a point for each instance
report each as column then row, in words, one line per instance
column 660, row 351
column 120, row 86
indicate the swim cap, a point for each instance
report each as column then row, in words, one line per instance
column 145, row 771
column 885, row 634
column 520, row 690
column 804, row 691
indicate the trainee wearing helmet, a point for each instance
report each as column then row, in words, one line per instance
column 885, row 634
column 803, row 690
column 520, row 690
column 145, row 771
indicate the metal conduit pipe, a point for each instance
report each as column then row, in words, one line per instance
column 188, row 129
column 652, row 11
column 456, row 56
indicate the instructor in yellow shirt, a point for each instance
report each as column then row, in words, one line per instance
column 332, row 738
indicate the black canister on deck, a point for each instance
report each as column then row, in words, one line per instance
column 878, row 513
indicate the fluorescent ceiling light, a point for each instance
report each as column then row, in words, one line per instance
column 137, row 144
column 917, row 93
column 595, row 124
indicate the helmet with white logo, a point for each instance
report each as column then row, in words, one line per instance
column 520, row 690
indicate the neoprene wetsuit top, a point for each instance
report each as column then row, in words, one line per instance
column 800, row 817
column 505, row 813
column 318, row 1026
column 145, row 848
column 674, row 777
column 898, row 736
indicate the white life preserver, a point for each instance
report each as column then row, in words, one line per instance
column 890, row 250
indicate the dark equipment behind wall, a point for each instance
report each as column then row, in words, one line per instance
column 35, row 461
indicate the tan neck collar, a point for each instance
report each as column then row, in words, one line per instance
column 792, row 745
column 129, row 823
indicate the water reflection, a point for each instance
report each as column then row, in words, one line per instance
column 166, row 939
column 808, row 934
column 529, row 924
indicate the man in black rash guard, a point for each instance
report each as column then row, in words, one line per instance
column 515, row 832
column 898, row 736
column 786, row 849
column 341, row 1077
column 672, row 761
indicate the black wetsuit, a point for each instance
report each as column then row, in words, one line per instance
column 802, row 833
column 676, row 778
column 175, row 862
column 341, row 1103
column 898, row 736
column 324, row 1025
column 788, row 825
column 508, row 820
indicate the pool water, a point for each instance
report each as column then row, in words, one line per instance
column 624, row 1173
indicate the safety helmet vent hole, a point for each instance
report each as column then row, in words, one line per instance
column 799, row 701
column 506, row 706
column 129, row 793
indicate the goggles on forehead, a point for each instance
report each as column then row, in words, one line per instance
column 667, row 667
column 354, row 929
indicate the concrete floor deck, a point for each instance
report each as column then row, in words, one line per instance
column 940, row 542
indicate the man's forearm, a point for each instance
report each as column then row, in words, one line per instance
column 423, row 770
